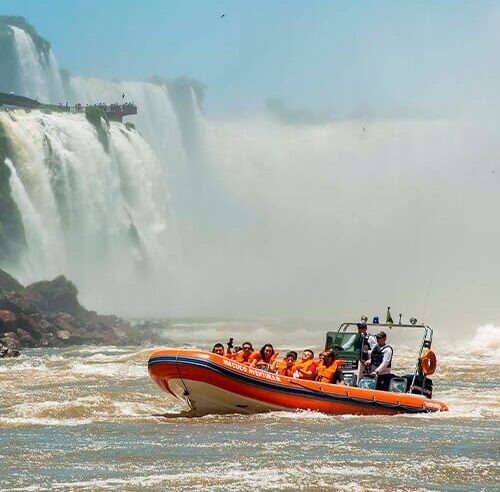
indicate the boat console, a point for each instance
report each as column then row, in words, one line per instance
column 347, row 344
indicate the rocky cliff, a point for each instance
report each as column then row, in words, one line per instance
column 48, row 314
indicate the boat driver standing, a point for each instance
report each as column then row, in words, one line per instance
column 380, row 363
column 368, row 339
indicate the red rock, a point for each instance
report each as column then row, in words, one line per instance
column 6, row 316
column 25, row 338
column 63, row 334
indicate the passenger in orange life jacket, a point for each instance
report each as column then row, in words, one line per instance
column 265, row 358
column 286, row 367
column 218, row 349
column 329, row 370
column 243, row 356
column 307, row 367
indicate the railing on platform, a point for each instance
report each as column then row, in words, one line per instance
column 114, row 111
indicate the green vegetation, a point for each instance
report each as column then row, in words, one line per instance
column 96, row 116
column 59, row 294
column 11, row 228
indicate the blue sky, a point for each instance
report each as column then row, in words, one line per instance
column 340, row 55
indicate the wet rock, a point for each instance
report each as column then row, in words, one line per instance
column 9, row 283
column 26, row 339
column 48, row 314
column 8, row 321
column 28, row 303
column 63, row 334
column 58, row 294
column 64, row 321
column 9, row 345
column 30, row 325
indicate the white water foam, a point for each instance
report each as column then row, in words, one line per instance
column 39, row 74
column 101, row 219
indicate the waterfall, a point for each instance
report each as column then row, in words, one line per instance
column 39, row 74
column 101, row 219
column 248, row 216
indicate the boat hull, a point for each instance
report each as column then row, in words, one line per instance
column 211, row 384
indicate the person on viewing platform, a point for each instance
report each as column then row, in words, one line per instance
column 264, row 358
column 329, row 370
column 307, row 367
column 243, row 356
column 380, row 362
column 286, row 367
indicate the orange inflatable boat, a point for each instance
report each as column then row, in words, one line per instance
column 213, row 384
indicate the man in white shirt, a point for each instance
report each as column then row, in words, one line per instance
column 381, row 361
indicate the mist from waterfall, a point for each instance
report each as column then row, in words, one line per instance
column 247, row 216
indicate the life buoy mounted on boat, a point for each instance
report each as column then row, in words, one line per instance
column 428, row 362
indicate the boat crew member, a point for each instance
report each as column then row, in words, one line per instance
column 368, row 339
column 243, row 356
column 286, row 367
column 307, row 366
column 329, row 370
column 380, row 362
column 264, row 358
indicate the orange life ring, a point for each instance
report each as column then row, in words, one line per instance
column 428, row 362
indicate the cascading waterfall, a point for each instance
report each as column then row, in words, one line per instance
column 102, row 219
column 156, row 120
column 39, row 74
column 249, row 216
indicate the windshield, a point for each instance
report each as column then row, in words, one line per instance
column 346, row 345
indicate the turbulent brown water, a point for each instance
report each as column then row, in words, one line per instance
column 90, row 418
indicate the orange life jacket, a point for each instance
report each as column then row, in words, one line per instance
column 284, row 370
column 325, row 374
column 242, row 358
column 308, row 365
column 256, row 356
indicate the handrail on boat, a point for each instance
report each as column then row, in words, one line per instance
column 426, row 340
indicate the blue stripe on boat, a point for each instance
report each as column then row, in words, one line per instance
column 309, row 393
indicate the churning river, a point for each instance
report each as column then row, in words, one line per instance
column 90, row 418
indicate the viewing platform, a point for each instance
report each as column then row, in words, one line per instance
column 114, row 112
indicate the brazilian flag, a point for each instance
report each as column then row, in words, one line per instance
column 388, row 319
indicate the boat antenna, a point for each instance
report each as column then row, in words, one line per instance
column 388, row 318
